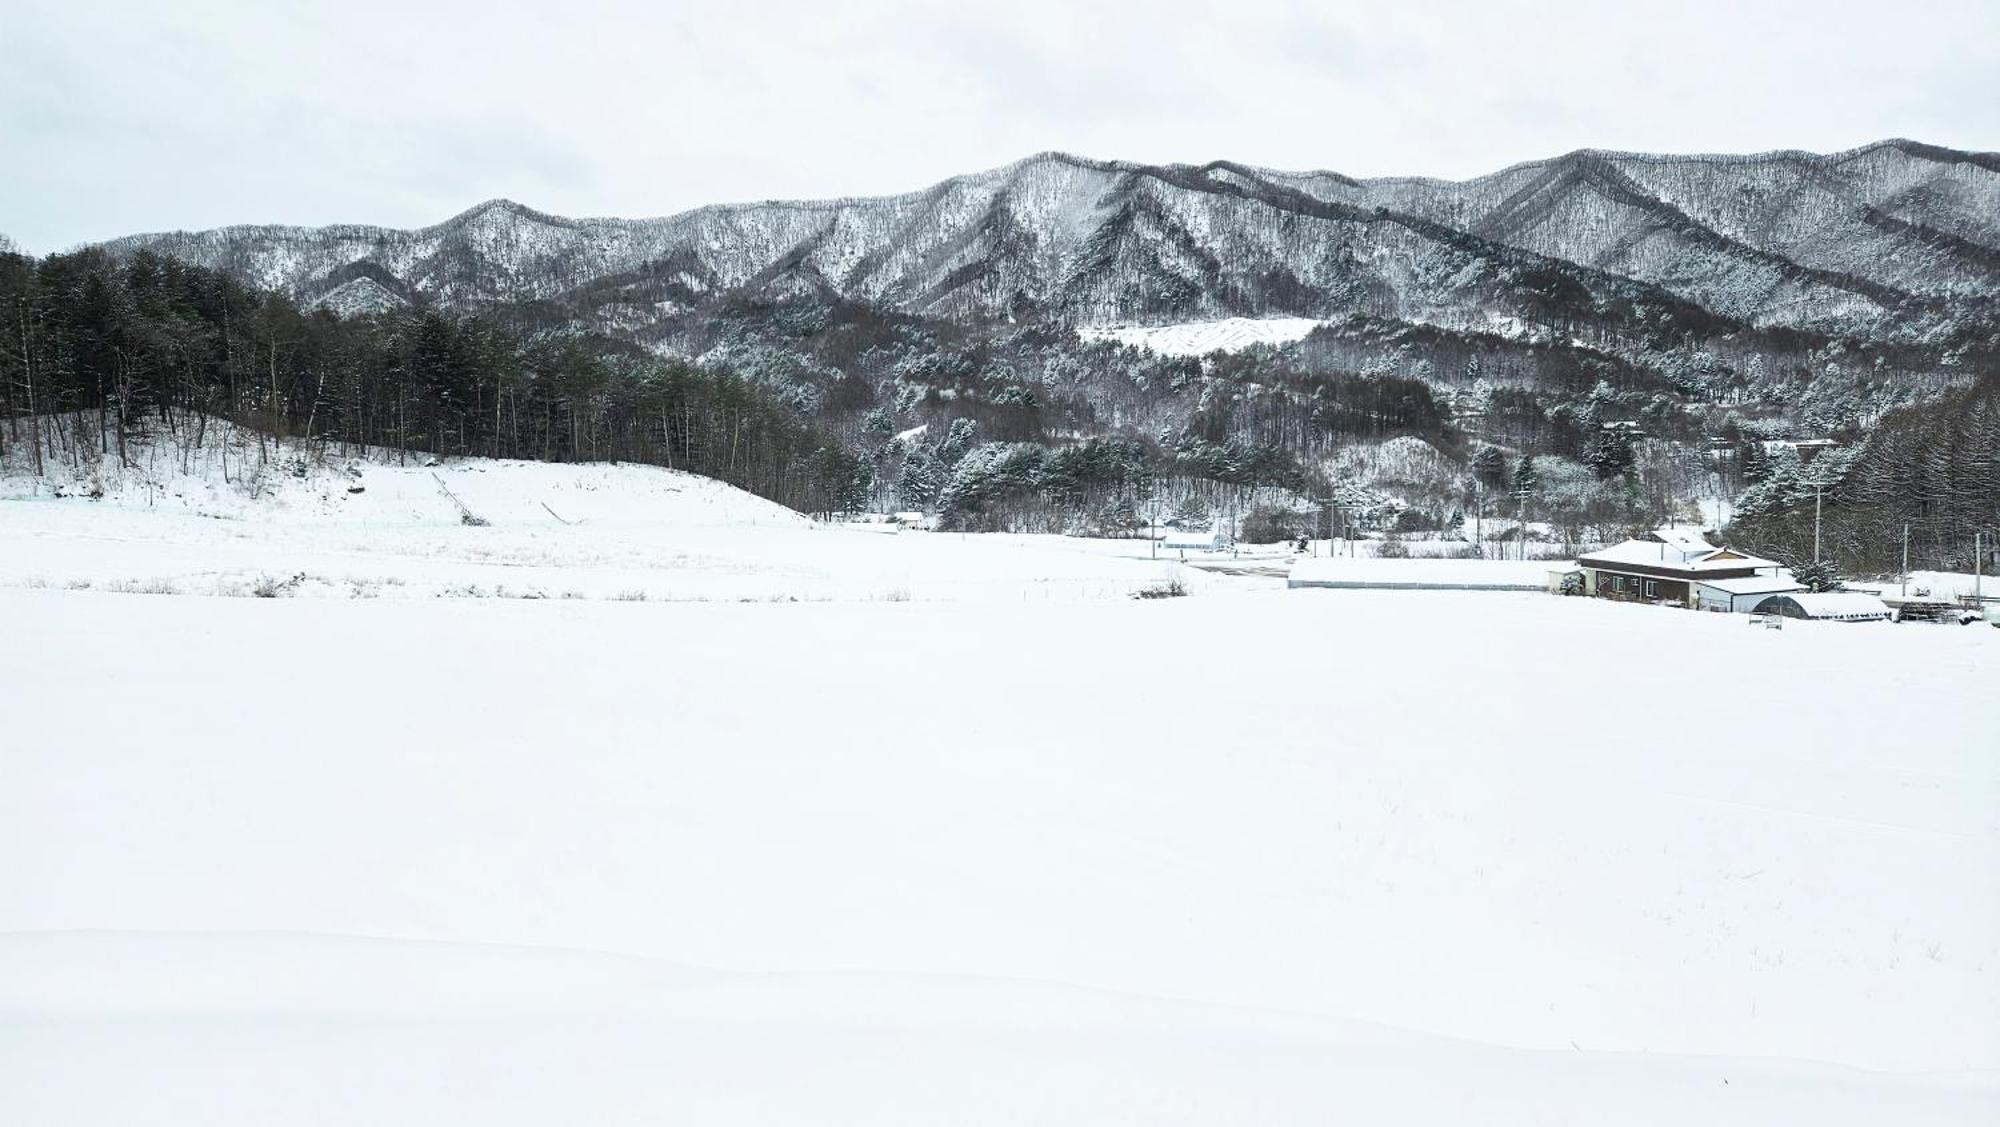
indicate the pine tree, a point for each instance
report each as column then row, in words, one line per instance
column 1609, row 452
column 956, row 441
column 1489, row 465
column 922, row 481
column 1752, row 461
column 1191, row 513
column 1820, row 575
column 1527, row 479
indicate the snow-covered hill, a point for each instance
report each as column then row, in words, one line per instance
column 235, row 475
column 242, row 517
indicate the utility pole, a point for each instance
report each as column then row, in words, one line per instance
column 1478, row 520
column 1817, row 489
column 1326, row 505
column 1906, row 558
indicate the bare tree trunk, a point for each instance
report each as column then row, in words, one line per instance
column 28, row 366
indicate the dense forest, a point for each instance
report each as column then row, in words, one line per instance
column 1931, row 471
column 96, row 346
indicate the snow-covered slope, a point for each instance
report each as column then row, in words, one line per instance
column 1203, row 337
column 235, row 476
column 240, row 517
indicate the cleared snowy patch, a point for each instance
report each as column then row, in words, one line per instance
column 1199, row 338
column 234, row 519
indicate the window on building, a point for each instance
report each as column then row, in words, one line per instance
column 1652, row 588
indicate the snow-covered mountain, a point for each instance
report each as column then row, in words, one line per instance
column 1895, row 234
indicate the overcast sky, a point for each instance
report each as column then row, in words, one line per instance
column 118, row 117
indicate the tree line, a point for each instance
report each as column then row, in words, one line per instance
column 1933, row 468
column 94, row 347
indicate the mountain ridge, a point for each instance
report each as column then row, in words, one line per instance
column 1989, row 160
column 1879, row 240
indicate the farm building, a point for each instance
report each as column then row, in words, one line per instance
column 1806, row 448
column 1671, row 565
column 1826, row 606
column 1201, row 540
column 1742, row 594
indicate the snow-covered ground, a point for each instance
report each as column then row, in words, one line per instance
column 988, row 855
column 1943, row 584
column 1199, row 338
column 226, row 523
column 1421, row 574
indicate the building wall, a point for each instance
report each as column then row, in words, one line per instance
column 1608, row 584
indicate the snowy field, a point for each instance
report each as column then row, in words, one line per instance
column 1420, row 574
column 1199, row 338
column 224, row 523
column 1017, row 849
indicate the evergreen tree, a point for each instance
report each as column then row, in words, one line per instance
column 1609, row 452
column 1823, row 575
column 1527, row 479
column 1192, row 512
column 1489, row 465
column 922, row 481
column 1754, row 464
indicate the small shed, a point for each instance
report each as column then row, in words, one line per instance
column 1564, row 580
column 1203, row 540
column 1744, row 592
column 1826, row 606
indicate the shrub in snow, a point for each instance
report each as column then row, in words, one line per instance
column 272, row 587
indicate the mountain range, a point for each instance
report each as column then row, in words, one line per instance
column 1893, row 241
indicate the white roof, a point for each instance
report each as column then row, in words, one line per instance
column 1687, row 540
column 1755, row 584
column 1839, row 604
column 1654, row 553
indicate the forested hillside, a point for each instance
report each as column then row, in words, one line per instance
column 96, row 345
column 1594, row 342
column 1932, row 471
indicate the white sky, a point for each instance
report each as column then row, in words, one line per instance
column 119, row 116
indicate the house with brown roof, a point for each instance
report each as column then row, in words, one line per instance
column 1679, row 567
